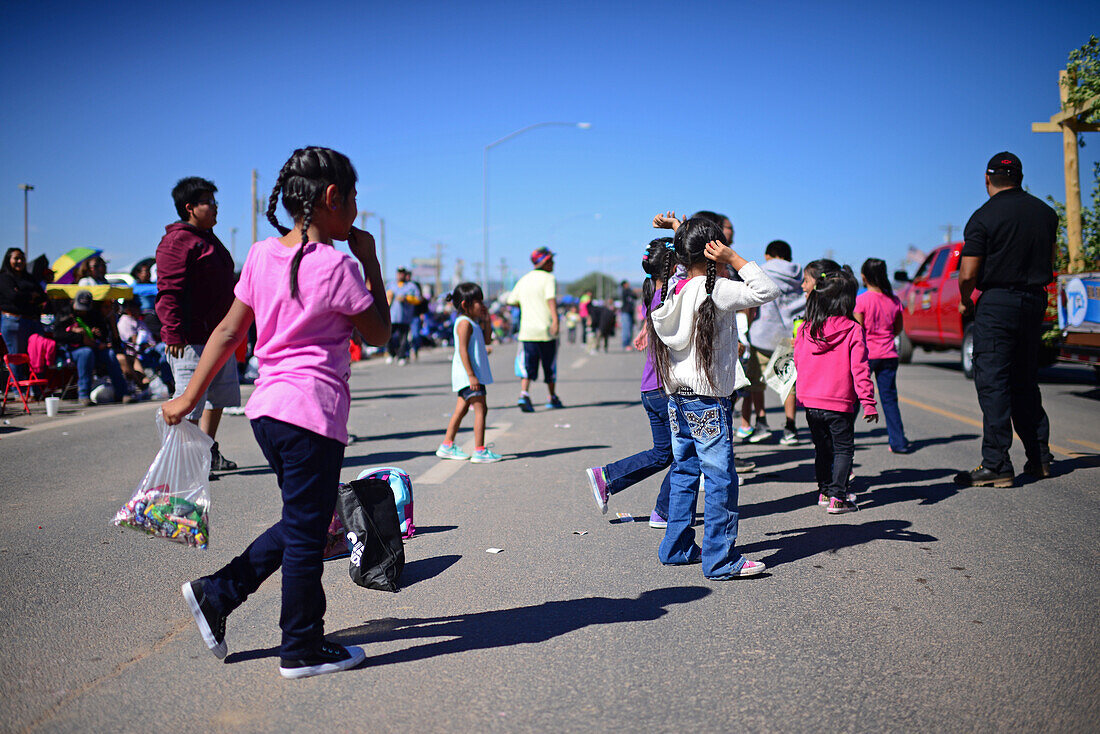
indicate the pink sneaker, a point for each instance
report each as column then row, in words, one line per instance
column 748, row 568
column 838, row 506
column 598, row 480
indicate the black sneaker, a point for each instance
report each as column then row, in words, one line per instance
column 1039, row 470
column 219, row 462
column 211, row 624
column 327, row 658
column 982, row 477
column 524, row 404
column 744, row 466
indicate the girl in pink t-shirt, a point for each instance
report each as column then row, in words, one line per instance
column 880, row 312
column 305, row 298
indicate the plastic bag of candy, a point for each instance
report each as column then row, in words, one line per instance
column 173, row 499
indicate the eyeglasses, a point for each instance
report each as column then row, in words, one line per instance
column 209, row 202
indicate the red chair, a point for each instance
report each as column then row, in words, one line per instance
column 22, row 387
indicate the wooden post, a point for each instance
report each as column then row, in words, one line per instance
column 1066, row 122
column 1073, row 181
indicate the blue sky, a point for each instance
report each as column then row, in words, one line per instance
column 856, row 128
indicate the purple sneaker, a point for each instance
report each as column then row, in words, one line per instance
column 656, row 521
column 598, row 481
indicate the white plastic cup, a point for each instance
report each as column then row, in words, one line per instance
column 52, row 406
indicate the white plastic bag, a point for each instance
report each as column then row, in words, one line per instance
column 780, row 373
column 173, row 499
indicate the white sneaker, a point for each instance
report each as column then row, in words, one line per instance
column 327, row 658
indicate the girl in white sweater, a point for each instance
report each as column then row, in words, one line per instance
column 695, row 352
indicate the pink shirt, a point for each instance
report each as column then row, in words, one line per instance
column 302, row 343
column 879, row 311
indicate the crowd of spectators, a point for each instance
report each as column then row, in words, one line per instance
column 80, row 343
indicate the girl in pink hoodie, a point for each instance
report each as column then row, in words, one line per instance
column 830, row 356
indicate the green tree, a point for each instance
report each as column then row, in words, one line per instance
column 591, row 282
column 1090, row 229
column 1083, row 80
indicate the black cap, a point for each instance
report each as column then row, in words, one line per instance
column 1005, row 162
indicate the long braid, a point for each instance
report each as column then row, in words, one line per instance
column 704, row 327
column 662, row 362
column 307, row 219
column 273, row 201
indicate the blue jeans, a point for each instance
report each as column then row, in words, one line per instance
column 886, row 375
column 16, row 332
column 307, row 467
column 702, row 429
column 86, row 359
column 633, row 469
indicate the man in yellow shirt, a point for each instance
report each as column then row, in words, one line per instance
column 536, row 295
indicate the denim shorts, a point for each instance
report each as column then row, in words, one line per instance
column 224, row 390
column 467, row 393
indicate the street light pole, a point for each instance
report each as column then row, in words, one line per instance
column 27, row 188
column 485, row 189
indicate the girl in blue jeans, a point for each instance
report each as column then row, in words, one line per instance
column 694, row 345
column 880, row 313
column 305, row 298
column 615, row 477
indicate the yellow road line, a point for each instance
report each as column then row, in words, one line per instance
column 1087, row 444
column 978, row 424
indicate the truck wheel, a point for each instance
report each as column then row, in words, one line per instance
column 904, row 347
column 967, row 360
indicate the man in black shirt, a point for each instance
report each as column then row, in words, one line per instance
column 1009, row 245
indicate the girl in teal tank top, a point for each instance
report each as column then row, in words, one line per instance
column 470, row 373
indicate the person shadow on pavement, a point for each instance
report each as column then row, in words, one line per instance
column 799, row 543
column 507, row 627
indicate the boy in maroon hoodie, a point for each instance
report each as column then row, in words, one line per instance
column 195, row 278
column 830, row 356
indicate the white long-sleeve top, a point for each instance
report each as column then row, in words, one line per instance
column 675, row 318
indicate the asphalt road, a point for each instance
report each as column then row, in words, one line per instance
column 931, row 609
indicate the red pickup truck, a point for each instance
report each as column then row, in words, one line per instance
column 930, row 303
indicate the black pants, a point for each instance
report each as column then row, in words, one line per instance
column 399, row 341
column 834, row 435
column 307, row 468
column 1007, row 330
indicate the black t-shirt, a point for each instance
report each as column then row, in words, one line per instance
column 1014, row 234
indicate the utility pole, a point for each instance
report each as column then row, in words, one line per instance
column 438, row 267
column 363, row 217
column 27, row 188
column 949, row 230
column 233, row 243
column 503, row 273
column 255, row 203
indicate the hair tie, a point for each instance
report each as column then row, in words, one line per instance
column 648, row 276
column 670, row 245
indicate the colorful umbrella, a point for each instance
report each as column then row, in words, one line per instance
column 64, row 267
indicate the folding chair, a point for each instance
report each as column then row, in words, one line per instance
column 22, row 387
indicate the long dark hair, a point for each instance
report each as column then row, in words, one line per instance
column 833, row 295
column 302, row 182
column 691, row 241
column 874, row 270
column 657, row 262
column 6, row 267
column 815, row 268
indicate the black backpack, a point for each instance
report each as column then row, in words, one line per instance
column 367, row 509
